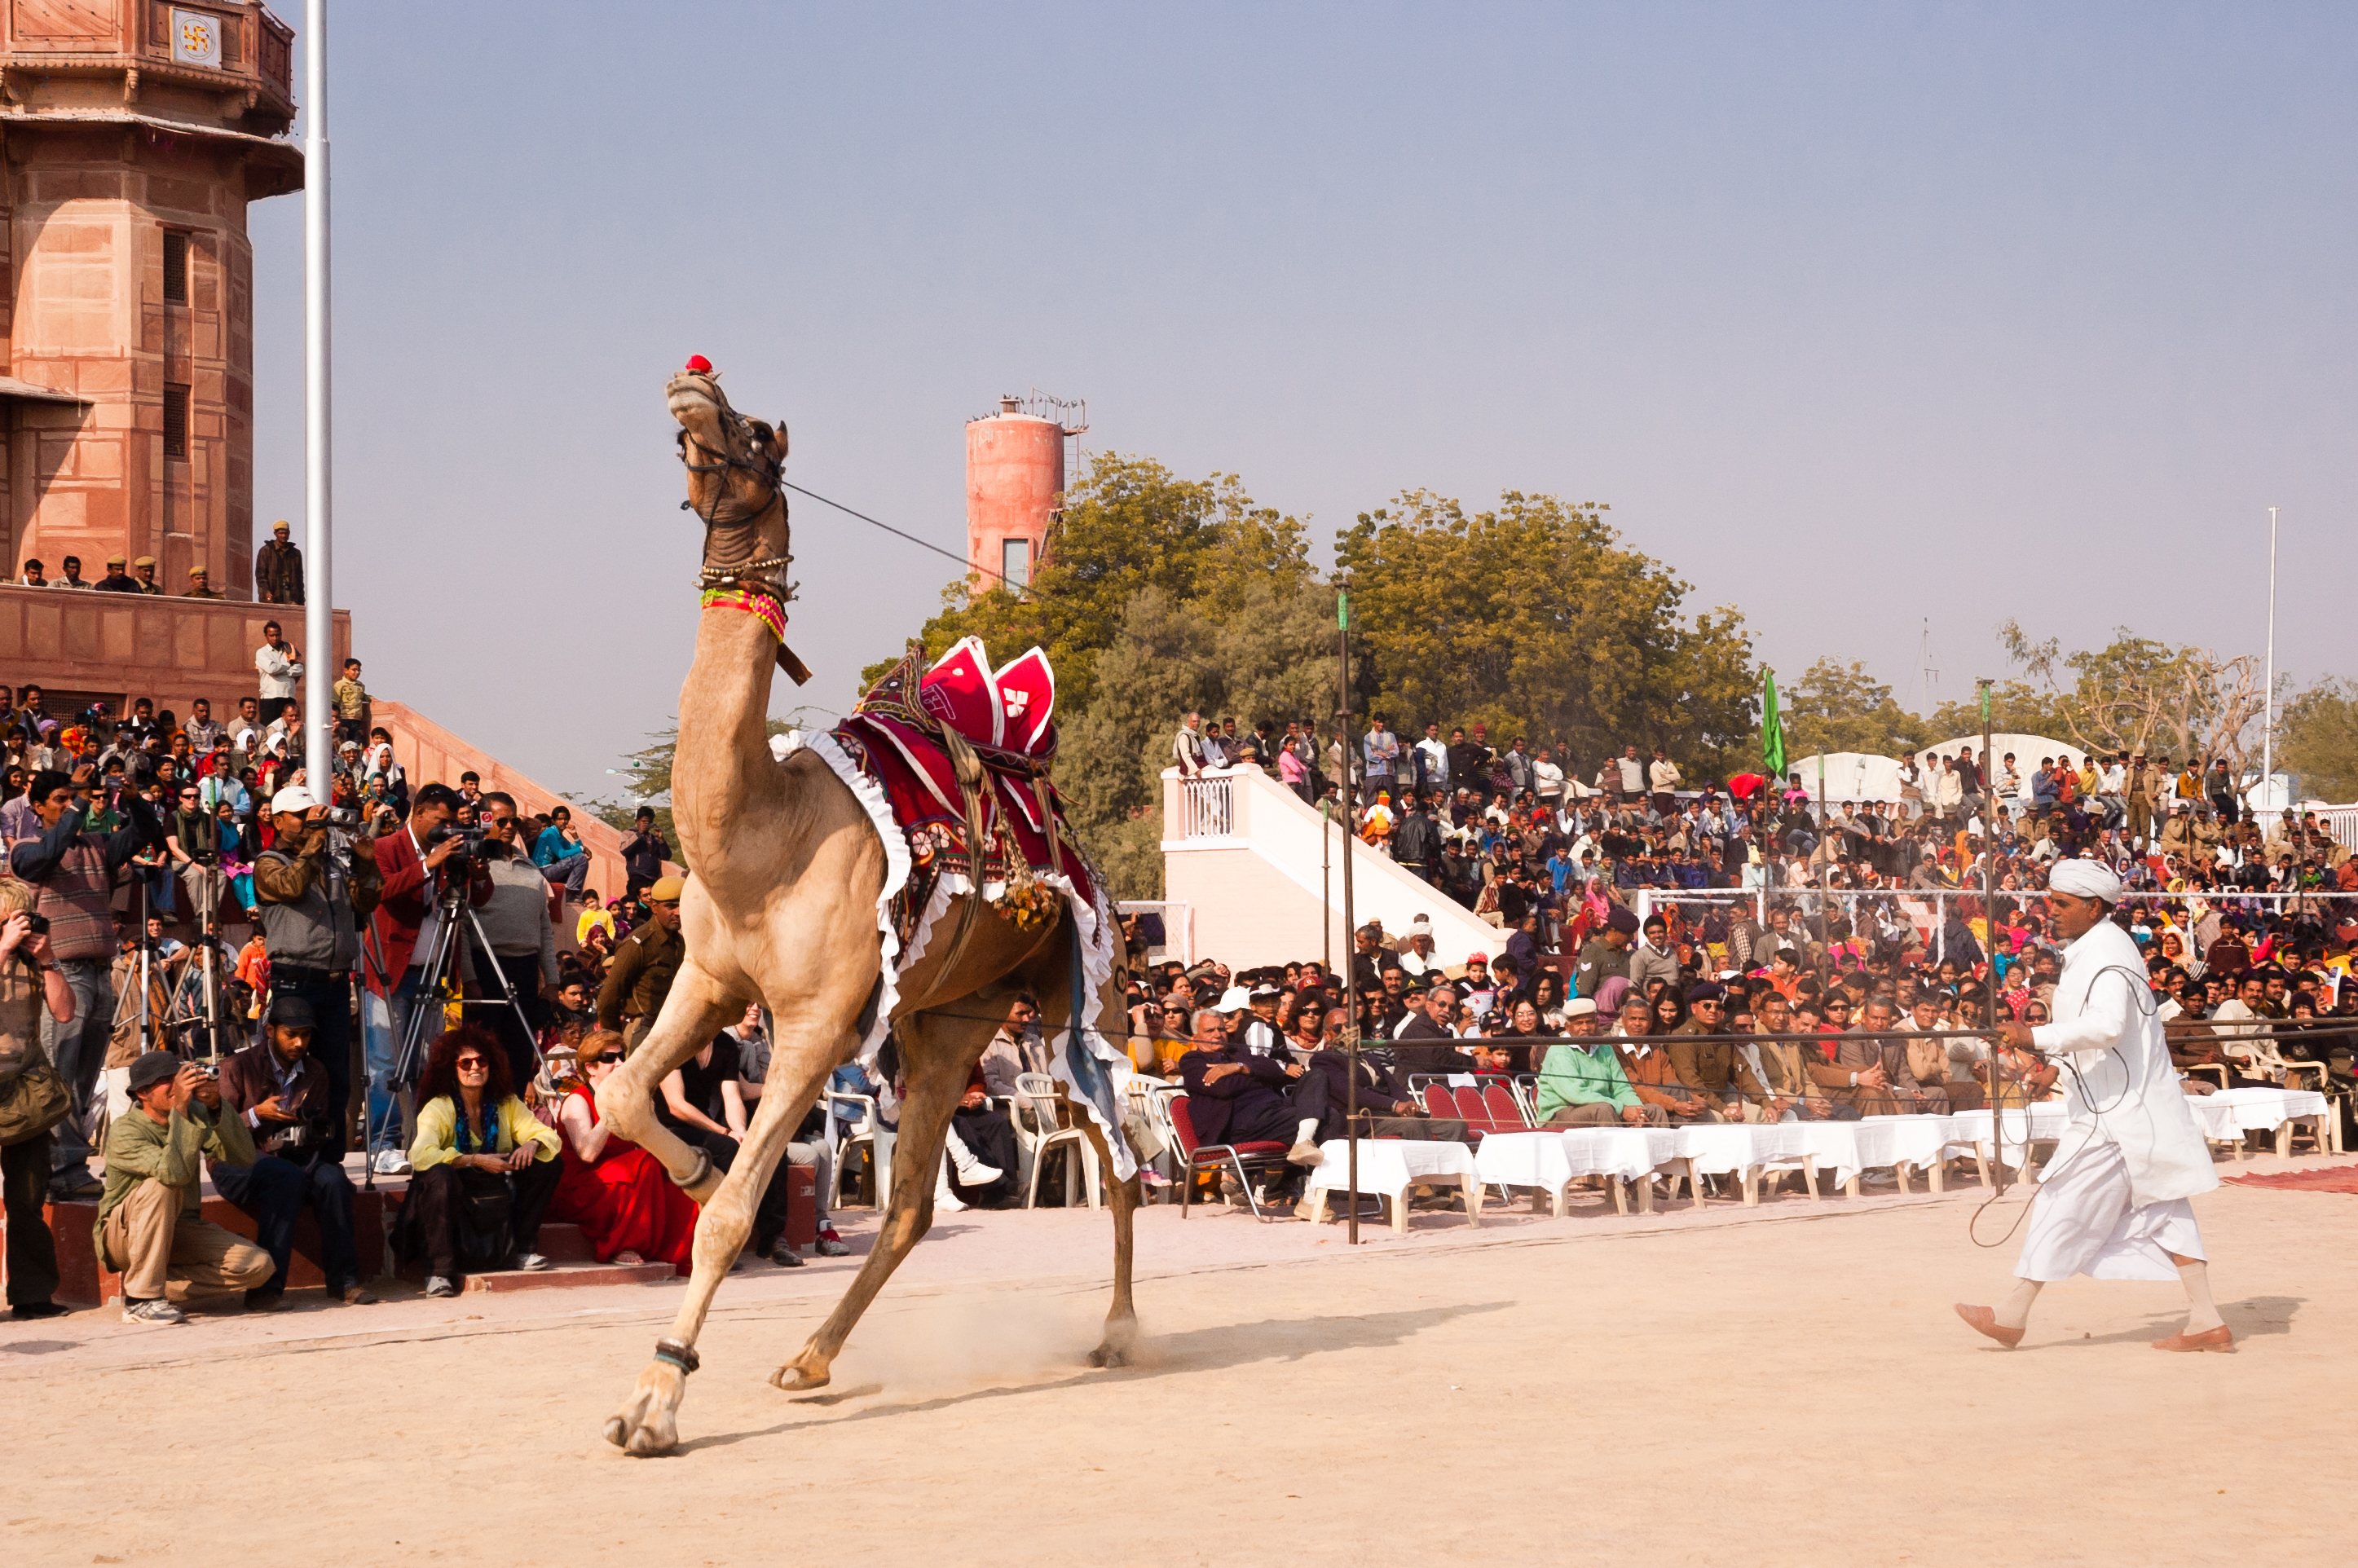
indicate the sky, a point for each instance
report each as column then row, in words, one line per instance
column 1859, row 317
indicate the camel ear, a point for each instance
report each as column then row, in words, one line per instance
column 778, row 439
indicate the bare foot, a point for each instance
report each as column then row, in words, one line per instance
column 628, row 1258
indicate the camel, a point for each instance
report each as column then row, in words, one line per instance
column 782, row 907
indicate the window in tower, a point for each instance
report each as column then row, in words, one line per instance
column 176, row 419
column 175, row 267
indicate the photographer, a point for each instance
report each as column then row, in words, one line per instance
column 283, row 1096
column 31, row 987
column 312, row 888
column 74, row 870
column 417, row 864
column 151, row 1223
column 524, row 940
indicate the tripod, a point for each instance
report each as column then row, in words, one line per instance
column 449, row 905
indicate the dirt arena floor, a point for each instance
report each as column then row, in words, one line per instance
column 1780, row 1385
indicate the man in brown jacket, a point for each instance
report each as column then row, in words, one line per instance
column 1876, row 1071
column 1650, row 1071
column 1782, row 1083
column 1708, row 1066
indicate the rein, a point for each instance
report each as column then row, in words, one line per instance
column 759, row 586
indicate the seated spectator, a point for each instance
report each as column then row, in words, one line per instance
column 485, row 1166
column 151, row 1225
column 1522, row 1023
column 1426, row 1041
column 560, row 854
column 1387, row 1107
column 703, row 1101
column 1877, row 1072
column 1649, row 1068
column 1235, row 1097
column 620, row 1194
column 1708, row 1065
column 980, row 1152
column 282, row 1095
column 808, row 1147
column 1773, row 1076
column 1582, row 1085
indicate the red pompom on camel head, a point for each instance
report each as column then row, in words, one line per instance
column 699, row 365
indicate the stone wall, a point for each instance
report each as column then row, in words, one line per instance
column 122, row 646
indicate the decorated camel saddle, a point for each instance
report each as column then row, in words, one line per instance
column 951, row 764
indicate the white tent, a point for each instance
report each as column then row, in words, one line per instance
column 1851, row 776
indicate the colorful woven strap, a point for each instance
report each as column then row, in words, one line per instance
column 752, row 601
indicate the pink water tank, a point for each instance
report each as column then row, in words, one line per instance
column 1014, row 473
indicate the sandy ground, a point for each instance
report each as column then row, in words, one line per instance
column 1780, row 1385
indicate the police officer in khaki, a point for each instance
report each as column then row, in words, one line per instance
column 29, row 979
column 200, row 585
column 644, row 968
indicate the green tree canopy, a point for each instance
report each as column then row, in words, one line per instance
column 2316, row 740
column 1837, row 707
column 1535, row 618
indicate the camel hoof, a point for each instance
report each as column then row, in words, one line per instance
column 793, row 1380
column 646, row 1444
column 618, row 1431
column 1109, row 1356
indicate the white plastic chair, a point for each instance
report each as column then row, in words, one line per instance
column 1033, row 1111
column 864, row 1130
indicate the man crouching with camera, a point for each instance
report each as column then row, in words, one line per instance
column 281, row 1094
column 313, row 887
column 151, row 1223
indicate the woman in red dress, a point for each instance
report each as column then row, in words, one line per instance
column 616, row 1192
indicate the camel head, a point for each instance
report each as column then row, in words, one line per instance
column 733, row 464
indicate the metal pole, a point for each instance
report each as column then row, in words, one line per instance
column 1326, row 910
column 2268, row 723
column 1350, row 930
column 1989, row 948
column 318, row 614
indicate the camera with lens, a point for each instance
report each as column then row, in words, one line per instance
column 343, row 817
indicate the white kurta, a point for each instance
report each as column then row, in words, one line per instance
column 2113, row 1202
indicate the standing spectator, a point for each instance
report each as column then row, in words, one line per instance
column 413, row 871
column 1547, row 780
column 312, row 896
column 560, row 854
column 74, row 870
column 151, row 1223
column 643, row 965
column 351, row 704
column 280, row 1091
column 201, row 728
column 1416, row 843
column 142, row 576
column 1382, row 749
column 32, row 987
column 1662, row 775
column 644, row 854
column 117, row 579
column 1632, row 776
column 523, row 942
column 32, row 577
column 279, row 666
column 71, row 576
column 278, row 568
column 200, row 585
column 1469, row 764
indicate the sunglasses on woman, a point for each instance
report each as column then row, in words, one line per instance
column 471, row 1064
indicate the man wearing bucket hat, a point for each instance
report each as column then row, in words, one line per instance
column 150, row 1223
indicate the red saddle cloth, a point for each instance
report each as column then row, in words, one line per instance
column 1008, row 716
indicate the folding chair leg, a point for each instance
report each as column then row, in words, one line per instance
column 1937, row 1174
column 1810, row 1176
column 1399, row 1212
column 1473, row 1191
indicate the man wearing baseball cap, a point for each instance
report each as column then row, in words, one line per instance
column 312, row 897
column 643, row 967
column 151, row 1223
column 143, row 574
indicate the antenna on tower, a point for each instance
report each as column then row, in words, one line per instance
column 1929, row 679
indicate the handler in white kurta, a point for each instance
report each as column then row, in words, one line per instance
column 2113, row 1202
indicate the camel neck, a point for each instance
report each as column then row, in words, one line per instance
column 722, row 757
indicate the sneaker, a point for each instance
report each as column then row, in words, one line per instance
column 978, row 1174
column 266, row 1300
column 1153, row 1179
column 159, row 1311
column 830, row 1245
column 1305, row 1153
column 25, row 1312
column 392, row 1162
column 1879, row 1179
column 441, row 1286
column 530, row 1262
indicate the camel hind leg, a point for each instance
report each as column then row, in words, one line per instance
column 937, row 1058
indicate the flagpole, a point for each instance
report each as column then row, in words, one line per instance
column 319, row 598
column 2268, row 723
column 1350, row 932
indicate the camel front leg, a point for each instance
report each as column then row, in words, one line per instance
column 698, row 1008
column 937, row 1079
column 1122, row 1318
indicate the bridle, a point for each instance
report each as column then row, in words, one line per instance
column 757, row 585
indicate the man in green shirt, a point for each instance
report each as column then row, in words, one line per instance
column 150, row 1221
column 1582, row 1085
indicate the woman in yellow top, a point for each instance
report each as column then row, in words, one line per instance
column 595, row 916
column 485, row 1166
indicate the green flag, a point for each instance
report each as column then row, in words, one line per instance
column 1772, row 727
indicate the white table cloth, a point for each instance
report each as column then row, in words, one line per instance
column 1389, row 1167
column 1720, row 1148
column 2046, row 1119
column 1873, row 1142
column 2230, row 1113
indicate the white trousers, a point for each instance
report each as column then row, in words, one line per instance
column 2083, row 1222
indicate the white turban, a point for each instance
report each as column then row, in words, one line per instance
column 2086, row 879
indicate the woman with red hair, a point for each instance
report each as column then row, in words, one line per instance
column 621, row 1197
column 485, row 1166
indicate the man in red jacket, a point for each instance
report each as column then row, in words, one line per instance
column 414, row 866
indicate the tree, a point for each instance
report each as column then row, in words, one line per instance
column 2139, row 694
column 1534, row 619
column 2316, row 740
column 1836, row 707
column 1129, row 527
column 647, row 782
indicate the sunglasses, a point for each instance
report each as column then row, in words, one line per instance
column 598, row 1060
column 471, row 1064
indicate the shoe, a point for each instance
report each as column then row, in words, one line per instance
column 25, row 1312
column 1878, row 1179
column 1152, row 1179
column 441, row 1286
column 949, row 1202
column 76, row 1187
column 1982, row 1319
column 530, row 1262
column 153, row 1311
column 357, row 1295
column 830, row 1245
column 266, row 1300
column 392, row 1162
column 785, row 1257
column 975, row 1174
column 1305, row 1153
column 2218, row 1339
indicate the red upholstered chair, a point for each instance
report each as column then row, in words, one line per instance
column 1506, row 1111
column 1470, row 1109
column 1240, row 1159
column 1437, row 1103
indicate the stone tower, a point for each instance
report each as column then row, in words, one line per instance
column 135, row 132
